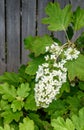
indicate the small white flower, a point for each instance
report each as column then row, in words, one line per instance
column 55, row 43
column 55, row 64
column 53, row 57
column 45, row 65
column 52, row 46
column 71, row 53
column 46, row 71
column 46, row 57
column 47, row 48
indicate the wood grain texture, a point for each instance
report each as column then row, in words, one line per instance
column 28, row 24
column 2, row 37
column 62, row 3
column 42, row 29
column 76, row 3
column 13, row 34
column 23, row 18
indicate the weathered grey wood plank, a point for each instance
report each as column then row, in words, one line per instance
column 42, row 29
column 61, row 35
column 28, row 23
column 13, row 34
column 76, row 3
column 2, row 37
column 62, row 3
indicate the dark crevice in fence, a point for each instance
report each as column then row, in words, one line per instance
column 69, row 2
column 20, row 31
column 36, row 18
column 5, row 34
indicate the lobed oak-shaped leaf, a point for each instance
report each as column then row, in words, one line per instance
column 58, row 19
column 8, row 92
column 9, row 116
column 78, row 19
column 80, row 43
column 33, row 65
column 27, row 124
column 79, row 120
column 76, row 68
column 10, row 78
column 30, row 103
column 60, row 124
column 23, row 90
column 17, row 105
column 6, row 127
column 37, row 45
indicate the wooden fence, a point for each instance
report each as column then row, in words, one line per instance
column 19, row 19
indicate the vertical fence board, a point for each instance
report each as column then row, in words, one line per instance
column 62, row 3
column 2, row 37
column 42, row 29
column 76, row 3
column 13, row 34
column 28, row 23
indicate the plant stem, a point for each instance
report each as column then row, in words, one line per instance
column 66, row 35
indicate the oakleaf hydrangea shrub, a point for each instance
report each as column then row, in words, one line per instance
column 51, row 75
column 48, row 92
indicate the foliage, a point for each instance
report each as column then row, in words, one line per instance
column 61, row 19
column 48, row 92
column 75, row 69
column 75, row 123
column 37, row 44
column 60, row 124
column 78, row 18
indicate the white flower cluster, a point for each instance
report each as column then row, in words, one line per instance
column 52, row 74
column 71, row 53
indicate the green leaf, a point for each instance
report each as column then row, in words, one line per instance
column 36, row 127
column 6, row 127
column 60, row 124
column 59, row 19
column 56, row 108
column 80, row 43
column 65, row 87
column 21, row 72
column 28, row 41
column 70, row 32
column 81, row 85
column 30, row 102
column 23, row 90
column 37, row 45
column 76, row 68
column 43, row 125
column 8, row 92
column 17, row 105
column 36, row 119
column 33, row 65
column 11, row 78
column 79, row 120
column 27, row 124
column 47, row 126
column 9, row 116
column 78, row 19
column 74, row 104
column 4, row 105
